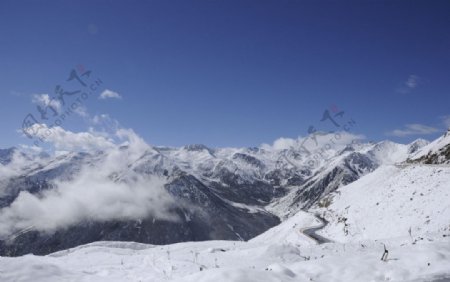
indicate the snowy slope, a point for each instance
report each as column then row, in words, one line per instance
column 387, row 152
column 217, row 261
column 388, row 203
column 290, row 231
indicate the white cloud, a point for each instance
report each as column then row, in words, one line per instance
column 413, row 129
column 44, row 101
column 132, row 139
column 283, row 143
column 31, row 149
column 109, row 94
column 14, row 168
column 410, row 84
column 66, row 140
column 90, row 141
column 23, row 157
column 105, row 122
column 97, row 119
column 108, row 189
column 82, row 112
column 92, row 195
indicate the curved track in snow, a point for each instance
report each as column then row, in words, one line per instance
column 310, row 232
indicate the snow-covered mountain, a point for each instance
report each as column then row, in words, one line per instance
column 283, row 253
column 224, row 193
column 437, row 152
column 362, row 198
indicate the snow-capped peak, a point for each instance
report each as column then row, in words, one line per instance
column 436, row 152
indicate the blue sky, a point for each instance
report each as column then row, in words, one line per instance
column 231, row 73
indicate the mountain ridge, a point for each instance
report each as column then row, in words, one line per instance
column 222, row 193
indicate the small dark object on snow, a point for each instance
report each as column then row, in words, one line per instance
column 385, row 254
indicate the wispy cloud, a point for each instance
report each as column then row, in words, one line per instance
column 410, row 84
column 109, row 94
column 413, row 129
column 446, row 121
column 105, row 123
column 17, row 93
column 44, row 101
column 82, row 112
column 322, row 140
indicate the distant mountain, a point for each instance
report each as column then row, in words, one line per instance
column 223, row 193
column 437, row 152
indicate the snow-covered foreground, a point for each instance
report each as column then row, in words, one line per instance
column 406, row 209
column 281, row 254
column 236, row 261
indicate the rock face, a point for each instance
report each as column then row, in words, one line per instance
column 220, row 194
column 353, row 166
column 437, row 152
column 442, row 156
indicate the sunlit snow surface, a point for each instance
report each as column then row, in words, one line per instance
column 237, row 261
column 390, row 202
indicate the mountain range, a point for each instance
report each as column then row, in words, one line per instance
column 162, row 195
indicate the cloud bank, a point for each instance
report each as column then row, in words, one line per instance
column 102, row 190
column 93, row 195
column 66, row 140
